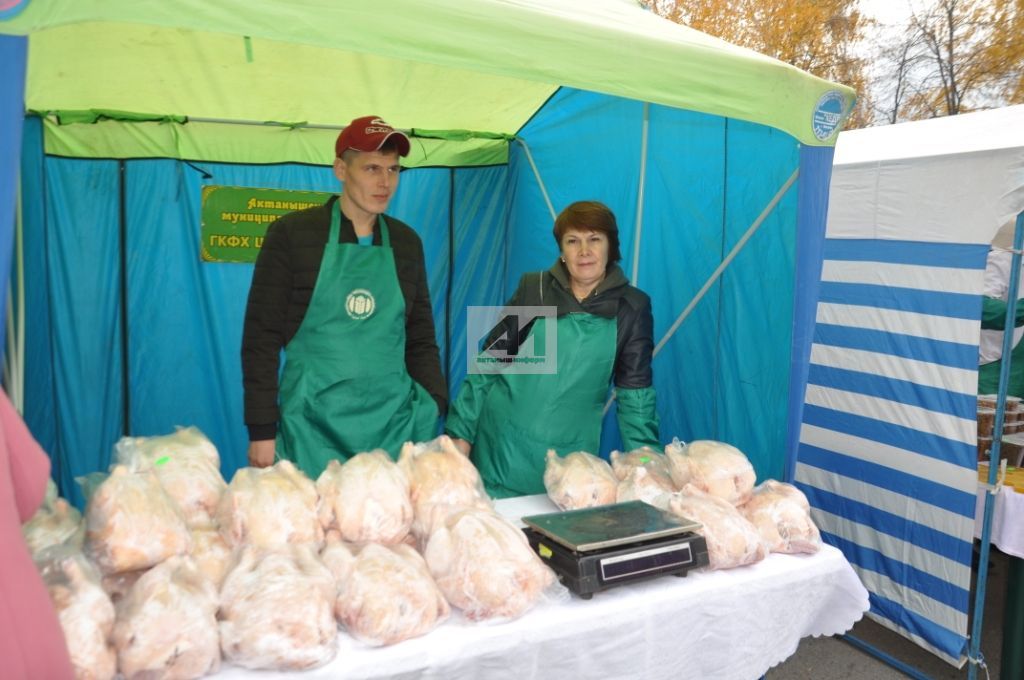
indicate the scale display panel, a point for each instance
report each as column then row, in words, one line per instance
column 606, row 526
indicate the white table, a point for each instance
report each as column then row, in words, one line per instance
column 732, row 624
column 1007, row 520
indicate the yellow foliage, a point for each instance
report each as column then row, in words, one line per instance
column 817, row 37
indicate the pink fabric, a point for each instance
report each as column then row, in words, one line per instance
column 31, row 641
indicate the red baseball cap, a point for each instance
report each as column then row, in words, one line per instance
column 369, row 134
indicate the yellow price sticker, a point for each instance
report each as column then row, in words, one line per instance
column 544, row 550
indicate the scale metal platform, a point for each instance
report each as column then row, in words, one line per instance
column 597, row 548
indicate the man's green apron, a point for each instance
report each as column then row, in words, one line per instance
column 525, row 415
column 345, row 388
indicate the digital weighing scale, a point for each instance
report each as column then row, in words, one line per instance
column 596, row 548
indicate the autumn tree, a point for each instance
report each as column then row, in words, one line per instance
column 818, row 37
column 952, row 57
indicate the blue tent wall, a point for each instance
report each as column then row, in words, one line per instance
column 12, row 106
column 815, row 165
column 725, row 373
column 184, row 315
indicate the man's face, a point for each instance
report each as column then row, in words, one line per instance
column 370, row 179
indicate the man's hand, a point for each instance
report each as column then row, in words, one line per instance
column 261, row 453
column 463, row 446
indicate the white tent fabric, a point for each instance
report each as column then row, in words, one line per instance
column 887, row 451
column 946, row 180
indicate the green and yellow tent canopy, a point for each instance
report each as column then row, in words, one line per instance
column 267, row 81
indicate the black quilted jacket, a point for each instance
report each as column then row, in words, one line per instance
column 282, row 285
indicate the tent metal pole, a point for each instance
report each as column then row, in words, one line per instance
column 9, row 360
column 14, row 357
column 974, row 657
column 235, row 121
column 19, row 263
column 451, row 278
column 728, row 259
column 540, row 182
column 126, row 426
column 21, row 301
column 639, row 226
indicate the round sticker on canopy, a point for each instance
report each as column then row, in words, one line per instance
column 828, row 114
column 8, row 8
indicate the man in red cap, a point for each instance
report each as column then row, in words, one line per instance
column 342, row 288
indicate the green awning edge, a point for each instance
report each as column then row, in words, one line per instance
column 248, row 144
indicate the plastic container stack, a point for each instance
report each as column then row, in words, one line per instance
column 1013, row 428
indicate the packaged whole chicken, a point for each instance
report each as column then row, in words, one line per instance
column 654, row 462
column 782, row 514
column 86, row 615
column 441, row 481
column 714, row 467
column 187, row 465
column 131, row 523
column 212, row 555
column 485, row 566
column 385, row 593
column 270, row 507
column 120, row 583
column 641, row 485
column 580, row 480
column 276, row 610
column 366, row 499
column 167, row 624
column 55, row 523
column 732, row 540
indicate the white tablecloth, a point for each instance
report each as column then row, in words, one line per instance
column 733, row 624
column 1007, row 520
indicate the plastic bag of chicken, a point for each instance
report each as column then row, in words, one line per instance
column 276, row 610
column 366, row 499
column 484, row 566
column 714, row 467
column 385, row 592
column 654, row 462
column 579, row 480
column 783, row 516
column 131, row 523
column 270, row 507
column 85, row 612
column 56, row 522
column 732, row 540
column 187, row 465
column 167, row 624
column 441, row 481
column 641, row 485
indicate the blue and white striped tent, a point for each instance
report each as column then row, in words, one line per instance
column 887, row 447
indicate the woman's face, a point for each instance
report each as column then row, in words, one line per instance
column 586, row 255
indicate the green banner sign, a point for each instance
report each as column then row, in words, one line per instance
column 234, row 219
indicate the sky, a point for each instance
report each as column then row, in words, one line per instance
column 888, row 12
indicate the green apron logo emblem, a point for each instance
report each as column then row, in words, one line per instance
column 360, row 304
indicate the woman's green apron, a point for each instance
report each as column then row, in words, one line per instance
column 345, row 388
column 524, row 415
